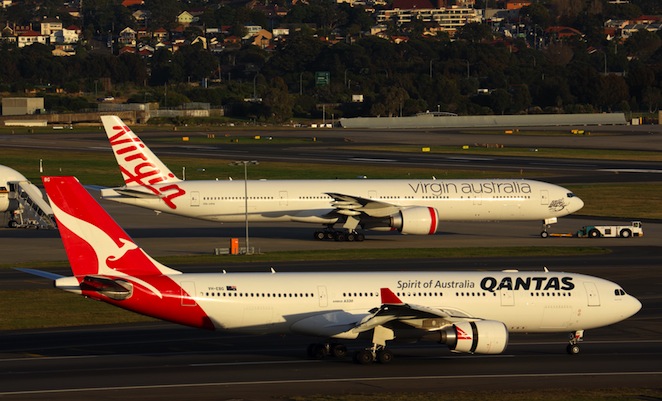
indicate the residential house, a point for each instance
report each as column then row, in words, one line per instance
column 563, row 32
column 133, row 3
column 185, row 18
column 142, row 34
column 70, row 34
column 160, row 34
column 50, row 25
column 200, row 39
column 64, row 50
column 30, row 37
column 7, row 35
column 517, row 4
column 262, row 39
column 127, row 36
column 140, row 16
column 251, row 30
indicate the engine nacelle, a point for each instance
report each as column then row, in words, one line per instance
column 418, row 220
column 480, row 337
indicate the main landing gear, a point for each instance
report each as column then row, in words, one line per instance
column 366, row 356
column 322, row 350
column 337, row 235
column 376, row 353
column 575, row 338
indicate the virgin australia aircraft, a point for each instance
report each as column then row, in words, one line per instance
column 470, row 312
column 409, row 206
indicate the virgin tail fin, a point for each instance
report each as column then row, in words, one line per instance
column 139, row 166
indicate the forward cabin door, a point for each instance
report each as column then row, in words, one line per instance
column 592, row 295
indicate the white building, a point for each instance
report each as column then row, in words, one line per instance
column 448, row 19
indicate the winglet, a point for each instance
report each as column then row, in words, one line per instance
column 388, row 297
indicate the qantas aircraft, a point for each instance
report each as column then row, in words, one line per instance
column 470, row 312
column 409, row 206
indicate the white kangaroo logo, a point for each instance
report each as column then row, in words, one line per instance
column 103, row 245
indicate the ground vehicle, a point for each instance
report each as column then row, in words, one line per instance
column 634, row 229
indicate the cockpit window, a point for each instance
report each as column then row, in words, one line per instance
column 619, row 292
column 570, row 195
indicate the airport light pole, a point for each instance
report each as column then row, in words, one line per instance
column 245, row 163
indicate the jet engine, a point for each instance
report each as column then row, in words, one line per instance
column 480, row 337
column 417, row 220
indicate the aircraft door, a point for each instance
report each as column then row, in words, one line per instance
column 195, row 198
column 507, row 297
column 592, row 294
column 544, row 197
column 187, row 293
column 372, row 194
column 322, row 295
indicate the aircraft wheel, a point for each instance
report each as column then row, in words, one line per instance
column 12, row 224
column 329, row 234
column 544, row 234
column 319, row 235
column 339, row 350
column 351, row 237
column 360, row 237
column 572, row 349
column 363, row 357
column 316, row 351
column 384, row 356
column 340, row 236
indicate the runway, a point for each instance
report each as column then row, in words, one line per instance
column 161, row 361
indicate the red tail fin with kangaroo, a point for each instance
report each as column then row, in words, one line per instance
column 110, row 267
column 94, row 242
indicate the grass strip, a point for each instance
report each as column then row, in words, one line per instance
column 356, row 254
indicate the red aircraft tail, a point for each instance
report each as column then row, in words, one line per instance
column 110, row 267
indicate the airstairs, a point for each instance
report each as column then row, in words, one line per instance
column 30, row 209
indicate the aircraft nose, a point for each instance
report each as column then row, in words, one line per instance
column 634, row 306
column 577, row 203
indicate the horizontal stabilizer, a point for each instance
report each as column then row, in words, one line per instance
column 129, row 192
column 40, row 273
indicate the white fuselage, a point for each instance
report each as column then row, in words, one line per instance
column 523, row 301
column 307, row 200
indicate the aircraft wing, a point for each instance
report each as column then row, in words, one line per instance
column 341, row 324
column 354, row 205
column 418, row 316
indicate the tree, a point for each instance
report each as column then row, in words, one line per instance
column 475, row 32
column 613, row 90
column 643, row 44
column 277, row 102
